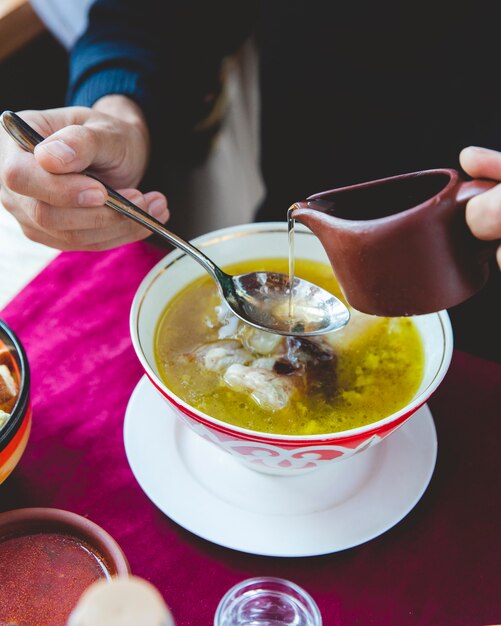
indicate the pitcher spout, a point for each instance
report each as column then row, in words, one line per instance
column 314, row 214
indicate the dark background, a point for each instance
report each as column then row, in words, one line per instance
column 34, row 77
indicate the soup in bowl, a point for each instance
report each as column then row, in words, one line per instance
column 280, row 405
column 48, row 558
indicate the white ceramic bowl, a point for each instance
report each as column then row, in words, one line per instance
column 280, row 454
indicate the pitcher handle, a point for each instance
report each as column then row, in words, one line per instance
column 471, row 188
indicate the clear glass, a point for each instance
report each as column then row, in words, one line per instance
column 267, row 601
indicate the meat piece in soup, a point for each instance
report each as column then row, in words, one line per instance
column 275, row 384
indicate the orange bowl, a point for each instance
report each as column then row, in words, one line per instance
column 15, row 432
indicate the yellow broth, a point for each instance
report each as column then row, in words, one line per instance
column 376, row 375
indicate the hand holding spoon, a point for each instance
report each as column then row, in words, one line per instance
column 260, row 299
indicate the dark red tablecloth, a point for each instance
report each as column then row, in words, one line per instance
column 440, row 565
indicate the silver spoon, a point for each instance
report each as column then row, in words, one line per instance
column 260, row 299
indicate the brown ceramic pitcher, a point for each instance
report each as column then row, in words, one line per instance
column 401, row 245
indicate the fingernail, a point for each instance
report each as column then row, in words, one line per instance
column 59, row 150
column 157, row 208
column 91, row 197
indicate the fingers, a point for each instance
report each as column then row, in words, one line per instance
column 94, row 228
column 483, row 214
column 23, row 176
column 481, row 162
column 67, row 212
column 101, row 219
column 92, row 139
column 82, row 138
column 49, row 121
column 77, row 147
column 56, row 209
column 75, row 138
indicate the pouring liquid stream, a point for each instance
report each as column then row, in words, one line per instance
column 297, row 310
column 290, row 240
column 290, row 234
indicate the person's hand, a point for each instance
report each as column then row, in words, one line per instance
column 483, row 212
column 60, row 208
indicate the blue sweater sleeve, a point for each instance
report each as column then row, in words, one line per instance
column 165, row 55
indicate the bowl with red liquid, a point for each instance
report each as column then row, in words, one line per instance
column 48, row 557
column 264, row 451
column 15, row 407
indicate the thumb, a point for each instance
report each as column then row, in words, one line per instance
column 76, row 147
column 481, row 162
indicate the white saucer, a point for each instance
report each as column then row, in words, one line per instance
column 213, row 495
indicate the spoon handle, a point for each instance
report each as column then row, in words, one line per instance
column 27, row 138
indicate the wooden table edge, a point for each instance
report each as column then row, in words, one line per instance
column 19, row 24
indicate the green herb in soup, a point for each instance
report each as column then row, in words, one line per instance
column 284, row 385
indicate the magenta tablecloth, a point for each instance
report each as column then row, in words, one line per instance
column 440, row 565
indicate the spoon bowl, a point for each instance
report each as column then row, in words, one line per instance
column 265, row 300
